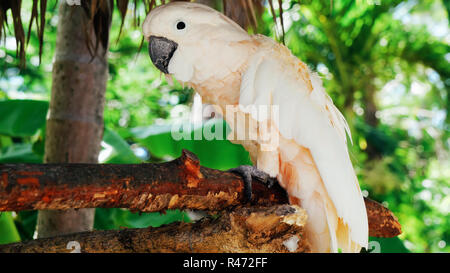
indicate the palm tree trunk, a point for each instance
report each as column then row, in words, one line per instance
column 75, row 123
column 370, row 117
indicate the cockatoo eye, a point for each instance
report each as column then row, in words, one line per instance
column 180, row 25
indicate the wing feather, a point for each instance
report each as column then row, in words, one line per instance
column 311, row 119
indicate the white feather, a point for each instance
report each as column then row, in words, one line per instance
column 311, row 119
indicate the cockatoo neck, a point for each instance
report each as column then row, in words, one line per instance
column 217, row 79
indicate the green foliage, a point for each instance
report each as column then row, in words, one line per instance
column 387, row 245
column 21, row 129
column 119, row 218
column 217, row 154
column 385, row 66
column 8, row 230
column 120, row 152
column 19, row 153
column 25, row 222
column 14, row 117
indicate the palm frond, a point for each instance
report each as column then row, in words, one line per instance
column 246, row 13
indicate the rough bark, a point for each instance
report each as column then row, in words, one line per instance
column 382, row 222
column 245, row 230
column 373, row 150
column 179, row 184
column 75, row 124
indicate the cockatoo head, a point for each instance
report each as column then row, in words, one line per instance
column 190, row 40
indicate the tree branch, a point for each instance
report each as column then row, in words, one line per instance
column 179, row 184
column 244, row 230
column 382, row 222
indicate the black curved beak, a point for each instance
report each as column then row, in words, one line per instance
column 161, row 51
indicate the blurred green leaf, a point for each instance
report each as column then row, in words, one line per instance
column 39, row 143
column 19, row 153
column 106, row 219
column 217, row 154
column 8, row 231
column 120, row 151
column 5, row 141
column 156, row 219
column 26, row 224
column 390, row 245
column 116, row 218
column 21, row 118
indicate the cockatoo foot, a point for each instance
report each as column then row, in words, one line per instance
column 248, row 172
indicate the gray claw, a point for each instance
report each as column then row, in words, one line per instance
column 248, row 172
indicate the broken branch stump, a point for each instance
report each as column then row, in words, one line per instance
column 275, row 229
column 382, row 222
column 179, row 184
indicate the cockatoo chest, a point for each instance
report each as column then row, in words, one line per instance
column 224, row 95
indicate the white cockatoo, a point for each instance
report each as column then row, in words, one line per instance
column 206, row 50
